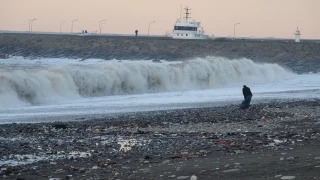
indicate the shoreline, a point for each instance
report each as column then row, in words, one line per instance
column 92, row 118
column 151, row 144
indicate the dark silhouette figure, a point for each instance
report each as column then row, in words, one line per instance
column 85, row 31
column 136, row 32
column 247, row 94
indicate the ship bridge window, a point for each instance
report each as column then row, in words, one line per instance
column 185, row 28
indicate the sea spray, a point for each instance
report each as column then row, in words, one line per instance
column 35, row 83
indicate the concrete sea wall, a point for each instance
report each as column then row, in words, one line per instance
column 300, row 57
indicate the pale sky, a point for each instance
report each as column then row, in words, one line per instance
column 259, row 18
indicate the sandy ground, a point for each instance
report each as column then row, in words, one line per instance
column 274, row 140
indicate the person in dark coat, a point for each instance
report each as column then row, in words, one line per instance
column 136, row 32
column 247, row 94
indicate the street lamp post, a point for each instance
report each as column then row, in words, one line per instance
column 234, row 30
column 61, row 25
column 30, row 25
column 100, row 25
column 34, row 19
column 149, row 27
column 72, row 25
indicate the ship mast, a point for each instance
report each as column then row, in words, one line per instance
column 187, row 13
column 180, row 10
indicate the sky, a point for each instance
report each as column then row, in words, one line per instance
column 258, row 18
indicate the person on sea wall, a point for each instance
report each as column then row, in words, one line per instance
column 136, row 32
column 247, row 94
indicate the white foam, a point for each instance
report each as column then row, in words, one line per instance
column 26, row 82
column 17, row 159
column 72, row 91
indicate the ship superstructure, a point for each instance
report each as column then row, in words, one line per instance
column 184, row 28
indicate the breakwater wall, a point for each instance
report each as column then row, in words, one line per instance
column 300, row 57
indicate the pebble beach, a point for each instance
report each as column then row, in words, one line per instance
column 271, row 140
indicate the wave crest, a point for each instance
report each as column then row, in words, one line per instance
column 52, row 83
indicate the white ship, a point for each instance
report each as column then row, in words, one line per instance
column 188, row 29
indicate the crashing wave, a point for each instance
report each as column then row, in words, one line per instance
column 46, row 83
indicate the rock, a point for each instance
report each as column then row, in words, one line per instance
column 59, row 170
column 290, row 158
column 82, row 170
column 230, row 170
column 145, row 170
column 193, row 177
column 177, row 156
column 68, row 176
column 60, row 126
column 182, row 177
column 288, row 177
column 239, row 151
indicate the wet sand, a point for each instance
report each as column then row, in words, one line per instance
column 273, row 140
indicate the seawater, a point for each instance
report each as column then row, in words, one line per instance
column 62, row 89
